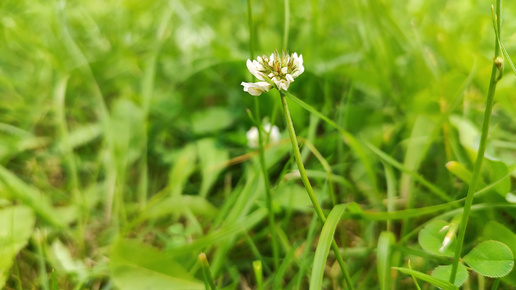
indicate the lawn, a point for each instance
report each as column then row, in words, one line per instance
column 381, row 157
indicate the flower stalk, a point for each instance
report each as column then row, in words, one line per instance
column 496, row 74
column 308, row 186
column 279, row 71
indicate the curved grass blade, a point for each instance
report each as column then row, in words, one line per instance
column 383, row 254
column 323, row 247
column 350, row 139
column 427, row 278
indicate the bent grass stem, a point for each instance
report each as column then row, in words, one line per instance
column 308, row 186
column 496, row 69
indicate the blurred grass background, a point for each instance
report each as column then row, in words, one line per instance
column 117, row 119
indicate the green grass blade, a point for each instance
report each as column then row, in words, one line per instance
column 357, row 147
column 383, row 259
column 30, row 197
column 427, row 278
column 323, row 246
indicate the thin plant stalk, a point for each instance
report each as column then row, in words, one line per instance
column 308, row 186
column 251, row 28
column 496, row 73
column 287, row 24
column 496, row 283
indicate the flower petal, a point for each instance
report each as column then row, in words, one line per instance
column 253, row 67
column 256, row 89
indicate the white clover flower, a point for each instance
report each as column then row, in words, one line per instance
column 256, row 89
column 252, row 135
column 280, row 70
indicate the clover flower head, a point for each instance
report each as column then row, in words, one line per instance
column 252, row 135
column 280, row 70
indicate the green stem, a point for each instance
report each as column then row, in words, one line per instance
column 272, row 223
column 287, row 24
column 496, row 283
column 496, row 69
column 251, row 28
column 308, row 186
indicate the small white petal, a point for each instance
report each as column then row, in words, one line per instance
column 284, row 70
column 256, row 89
column 253, row 67
column 289, row 78
column 282, row 85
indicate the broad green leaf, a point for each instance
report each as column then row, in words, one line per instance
column 443, row 284
column 16, row 227
column 211, row 158
column 491, row 258
column 431, row 239
column 137, row 266
column 444, row 273
column 184, row 165
column 126, row 128
column 416, row 150
column 323, row 246
column 469, row 134
column 63, row 261
column 496, row 231
column 383, row 254
column 499, row 170
column 203, row 121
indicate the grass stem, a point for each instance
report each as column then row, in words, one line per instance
column 308, row 186
column 495, row 77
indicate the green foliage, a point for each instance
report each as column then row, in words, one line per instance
column 496, row 231
column 427, row 278
column 444, row 272
column 431, row 238
column 136, row 266
column 384, row 256
column 491, row 258
column 124, row 152
column 16, row 226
